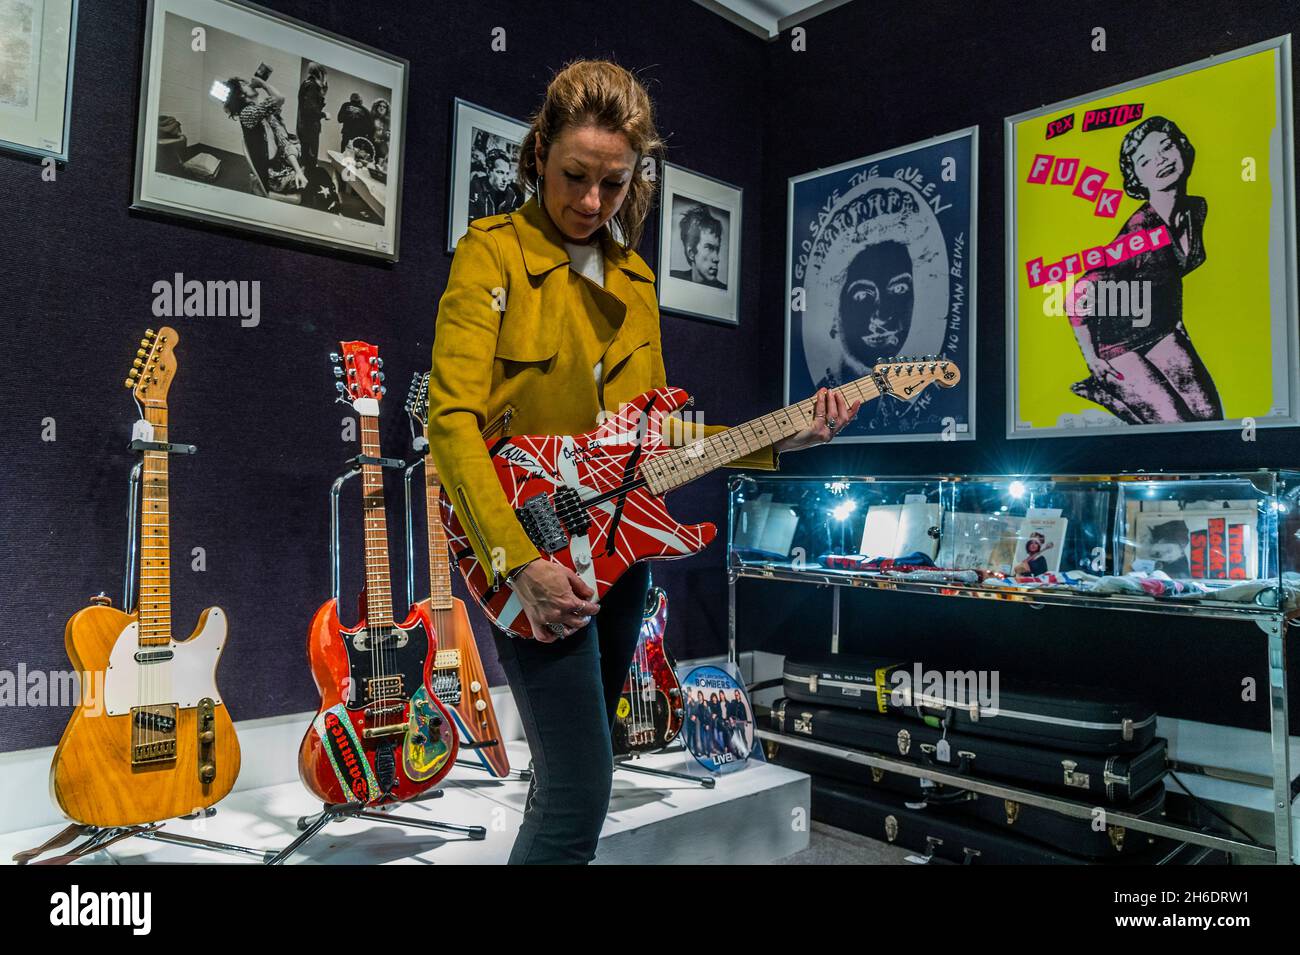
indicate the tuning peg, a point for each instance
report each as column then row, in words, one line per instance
column 338, row 385
column 334, row 357
column 140, row 352
column 381, row 376
column 383, row 390
column 338, row 372
column 379, row 362
column 128, row 383
column 149, row 333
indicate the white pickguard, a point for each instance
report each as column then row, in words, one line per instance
column 189, row 676
column 579, row 544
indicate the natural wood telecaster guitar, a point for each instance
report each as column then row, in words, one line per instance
column 155, row 740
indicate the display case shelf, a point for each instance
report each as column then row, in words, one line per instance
column 1215, row 545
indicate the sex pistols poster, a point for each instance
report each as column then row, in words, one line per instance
column 881, row 264
column 1151, row 253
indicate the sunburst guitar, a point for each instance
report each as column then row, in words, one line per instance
column 458, row 677
column 380, row 735
column 151, row 738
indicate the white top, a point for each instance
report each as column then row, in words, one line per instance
column 589, row 260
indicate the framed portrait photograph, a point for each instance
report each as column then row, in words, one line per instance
column 484, row 167
column 37, row 45
column 699, row 246
column 881, row 265
column 1151, row 261
column 263, row 123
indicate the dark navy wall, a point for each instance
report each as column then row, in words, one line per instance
column 75, row 295
column 881, row 75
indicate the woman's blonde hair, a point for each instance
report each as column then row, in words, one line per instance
column 603, row 94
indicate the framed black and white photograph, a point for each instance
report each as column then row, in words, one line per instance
column 37, row 42
column 699, row 246
column 484, row 167
column 261, row 122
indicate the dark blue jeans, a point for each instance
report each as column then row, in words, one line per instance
column 567, row 692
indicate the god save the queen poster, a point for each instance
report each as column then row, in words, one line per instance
column 881, row 264
column 1151, row 280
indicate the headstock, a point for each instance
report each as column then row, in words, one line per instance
column 905, row 378
column 358, row 368
column 154, row 367
column 417, row 399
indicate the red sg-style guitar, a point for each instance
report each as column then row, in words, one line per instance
column 594, row 502
column 381, row 735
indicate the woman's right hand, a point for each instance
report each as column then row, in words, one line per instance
column 551, row 593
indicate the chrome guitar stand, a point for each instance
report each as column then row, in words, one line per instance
column 101, row 836
column 309, row 826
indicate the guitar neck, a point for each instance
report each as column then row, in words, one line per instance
column 379, row 587
column 698, row 458
column 154, row 603
column 439, row 566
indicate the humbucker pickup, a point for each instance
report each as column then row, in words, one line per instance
column 384, row 687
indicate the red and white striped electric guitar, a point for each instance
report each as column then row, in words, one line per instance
column 593, row 502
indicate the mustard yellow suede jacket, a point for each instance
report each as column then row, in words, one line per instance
column 503, row 325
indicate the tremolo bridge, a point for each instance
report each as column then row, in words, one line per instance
column 549, row 521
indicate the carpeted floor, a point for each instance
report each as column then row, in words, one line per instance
column 828, row 845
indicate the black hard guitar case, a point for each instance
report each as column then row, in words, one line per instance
column 1079, row 837
column 1083, row 720
column 934, row 836
column 1113, row 778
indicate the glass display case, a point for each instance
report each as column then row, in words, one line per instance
column 1223, row 545
column 1207, row 544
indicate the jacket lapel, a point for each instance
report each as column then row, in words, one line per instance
column 542, row 246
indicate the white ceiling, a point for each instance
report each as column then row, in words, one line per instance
column 768, row 18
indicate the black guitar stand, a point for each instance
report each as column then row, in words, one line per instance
column 310, row 826
column 98, row 837
column 628, row 765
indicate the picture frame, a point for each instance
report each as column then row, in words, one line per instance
column 703, row 281
column 881, row 263
column 293, row 160
column 1074, row 280
column 36, row 76
column 478, row 135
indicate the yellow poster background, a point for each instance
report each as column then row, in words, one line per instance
column 1228, row 112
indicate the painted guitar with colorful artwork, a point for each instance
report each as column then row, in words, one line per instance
column 649, row 713
column 158, row 742
column 381, row 735
column 458, row 677
column 593, row 502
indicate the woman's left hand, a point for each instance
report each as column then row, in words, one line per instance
column 830, row 414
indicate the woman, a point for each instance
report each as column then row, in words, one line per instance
column 549, row 310
column 273, row 151
column 1144, row 367
column 311, row 111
